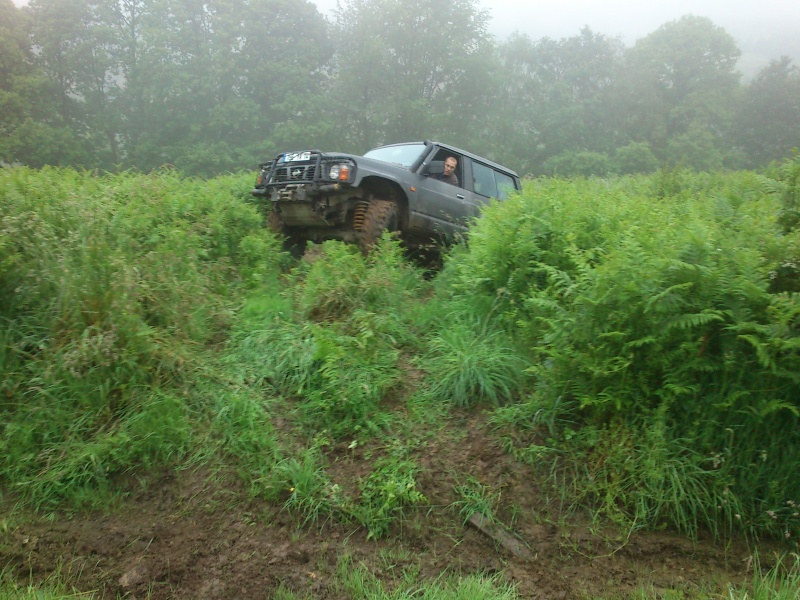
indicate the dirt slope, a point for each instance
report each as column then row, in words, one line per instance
column 182, row 537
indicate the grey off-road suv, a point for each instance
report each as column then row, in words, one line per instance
column 319, row 196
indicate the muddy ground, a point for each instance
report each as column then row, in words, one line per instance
column 182, row 535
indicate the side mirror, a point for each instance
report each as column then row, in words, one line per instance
column 435, row 167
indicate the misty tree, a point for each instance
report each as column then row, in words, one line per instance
column 60, row 48
column 177, row 82
column 404, row 71
column 212, row 87
column 27, row 116
column 555, row 98
column 281, row 57
column 677, row 91
column 634, row 157
column 769, row 115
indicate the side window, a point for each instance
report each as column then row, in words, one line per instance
column 483, row 180
column 488, row 182
column 442, row 155
column 505, row 185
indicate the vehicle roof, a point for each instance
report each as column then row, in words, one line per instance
column 456, row 150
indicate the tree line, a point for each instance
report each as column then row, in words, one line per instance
column 217, row 87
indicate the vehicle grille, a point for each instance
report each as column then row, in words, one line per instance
column 293, row 173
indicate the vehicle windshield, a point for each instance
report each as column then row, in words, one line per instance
column 400, row 154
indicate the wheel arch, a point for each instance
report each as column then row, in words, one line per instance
column 386, row 189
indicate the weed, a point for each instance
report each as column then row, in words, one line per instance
column 387, row 491
column 475, row 498
column 780, row 582
column 310, row 492
column 469, row 363
column 357, row 582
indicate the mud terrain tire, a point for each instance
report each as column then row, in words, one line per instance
column 291, row 243
column 381, row 216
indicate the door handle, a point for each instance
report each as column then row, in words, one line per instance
column 460, row 196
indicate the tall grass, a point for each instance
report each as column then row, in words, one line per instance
column 332, row 339
column 473, row 363
column 648, row 326
column 109, row 288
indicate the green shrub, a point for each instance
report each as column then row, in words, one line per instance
column 333, row 338
column 634, row 305
column 636, row 157
column 339, row 280
column 354, row 373
column 109, row 287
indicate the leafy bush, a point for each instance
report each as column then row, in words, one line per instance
column 636, row 157
column 338, row 379
column 634, row 306
column 109, row 285
column 336, row 280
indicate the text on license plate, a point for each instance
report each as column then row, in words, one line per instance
column 295, row 156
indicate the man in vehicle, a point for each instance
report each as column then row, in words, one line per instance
column 449, row 174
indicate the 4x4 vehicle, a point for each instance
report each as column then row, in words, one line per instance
column 322, row 195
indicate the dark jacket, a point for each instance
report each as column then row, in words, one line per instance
column 451, row 179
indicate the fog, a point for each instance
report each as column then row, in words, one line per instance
column 763, row 29
column 621, row 89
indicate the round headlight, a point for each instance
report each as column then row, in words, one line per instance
column 335, row 170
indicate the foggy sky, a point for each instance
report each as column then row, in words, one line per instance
column 763, row 29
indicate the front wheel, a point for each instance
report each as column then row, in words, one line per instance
column 276, row 221
column 293, row 244
column 380, row 216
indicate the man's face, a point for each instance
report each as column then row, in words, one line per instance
column 450, row 165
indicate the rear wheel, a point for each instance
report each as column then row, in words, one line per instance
column 380, row 216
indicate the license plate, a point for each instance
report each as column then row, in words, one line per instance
column 296, row 156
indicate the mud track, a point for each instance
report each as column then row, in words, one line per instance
column 184, row 535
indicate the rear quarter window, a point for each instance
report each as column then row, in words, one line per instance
column 491, row 183
column 483, row 181
column 505, row 185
